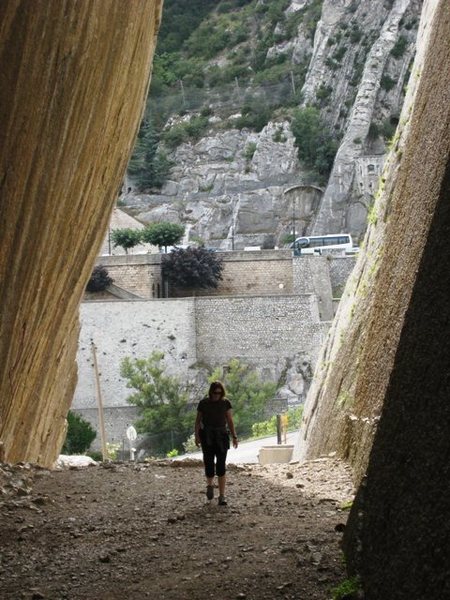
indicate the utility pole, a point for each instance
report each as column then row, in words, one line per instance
column 292, row 83
column 238, row 89
column 293, row 219
column 101, row 421
column 182, row 92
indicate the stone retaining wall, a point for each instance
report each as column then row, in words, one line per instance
column 340, row 269
column 277, row 335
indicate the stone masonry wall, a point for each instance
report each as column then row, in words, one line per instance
column 340, row 269
column 275, row 334
column 312, row 274
column 266, row 332
column 139, row 274
column 250, row 273
column 245, row 273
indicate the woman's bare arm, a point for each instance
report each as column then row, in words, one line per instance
column 230, row 422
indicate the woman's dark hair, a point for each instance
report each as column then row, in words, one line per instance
column 216, row 385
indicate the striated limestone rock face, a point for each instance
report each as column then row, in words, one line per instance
column 356, row 368
column 225, row 194
column 398, row 533
column 340, row 195
column 356, row 79
column 74, row 78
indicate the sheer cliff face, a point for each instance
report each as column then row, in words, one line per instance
column 358, row 68
column 339, row 207
column 362, row 356
column 73, row 81
column 398, row 534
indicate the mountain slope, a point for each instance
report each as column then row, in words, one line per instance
column 227, row 100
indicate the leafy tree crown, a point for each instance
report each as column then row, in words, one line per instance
column 193, row 268
column 163, row 234
column 126, row 238
column 161, row 399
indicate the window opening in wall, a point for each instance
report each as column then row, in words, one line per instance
column 371, row 168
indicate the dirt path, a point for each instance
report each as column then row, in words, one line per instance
column 123, row 531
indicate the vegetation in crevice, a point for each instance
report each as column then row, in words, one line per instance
column 316, row 145
column 188, row 79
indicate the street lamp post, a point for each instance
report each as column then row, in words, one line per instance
column 294, row 233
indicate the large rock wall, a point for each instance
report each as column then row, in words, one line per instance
column 73, row 80
column 338, row 201
column 399, row 533
column 226, row 195
column 346, row 399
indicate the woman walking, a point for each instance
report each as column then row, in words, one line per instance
column 212, row 426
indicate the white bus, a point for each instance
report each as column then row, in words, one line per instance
column 314, row 244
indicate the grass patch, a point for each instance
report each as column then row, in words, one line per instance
column 346, row 588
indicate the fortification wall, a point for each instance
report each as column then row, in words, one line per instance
column 250, row 273
column 278, row 335
column 312, row 274
column 134, row 329
column 340, row 268
column 139, row 274
column 245, row 273
column 267, row 332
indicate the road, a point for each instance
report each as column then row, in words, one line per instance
column 247, row 452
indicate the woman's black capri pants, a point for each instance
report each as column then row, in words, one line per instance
column 217, row 452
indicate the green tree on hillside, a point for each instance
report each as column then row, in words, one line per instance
column 148, row 164
column 247, row 393
column 125, row 238
column 163, row 234
column 161, row 399
column 316, row 146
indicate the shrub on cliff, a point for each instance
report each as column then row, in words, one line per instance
column 316, row 146
column 80, row 434
column 193, row 268
column 99, row 279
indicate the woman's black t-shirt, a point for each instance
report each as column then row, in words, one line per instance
column 213, row 412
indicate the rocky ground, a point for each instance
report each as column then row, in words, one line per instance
column 132, row 531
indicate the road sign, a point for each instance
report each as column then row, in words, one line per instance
column 131, row 433
column 276, row 406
